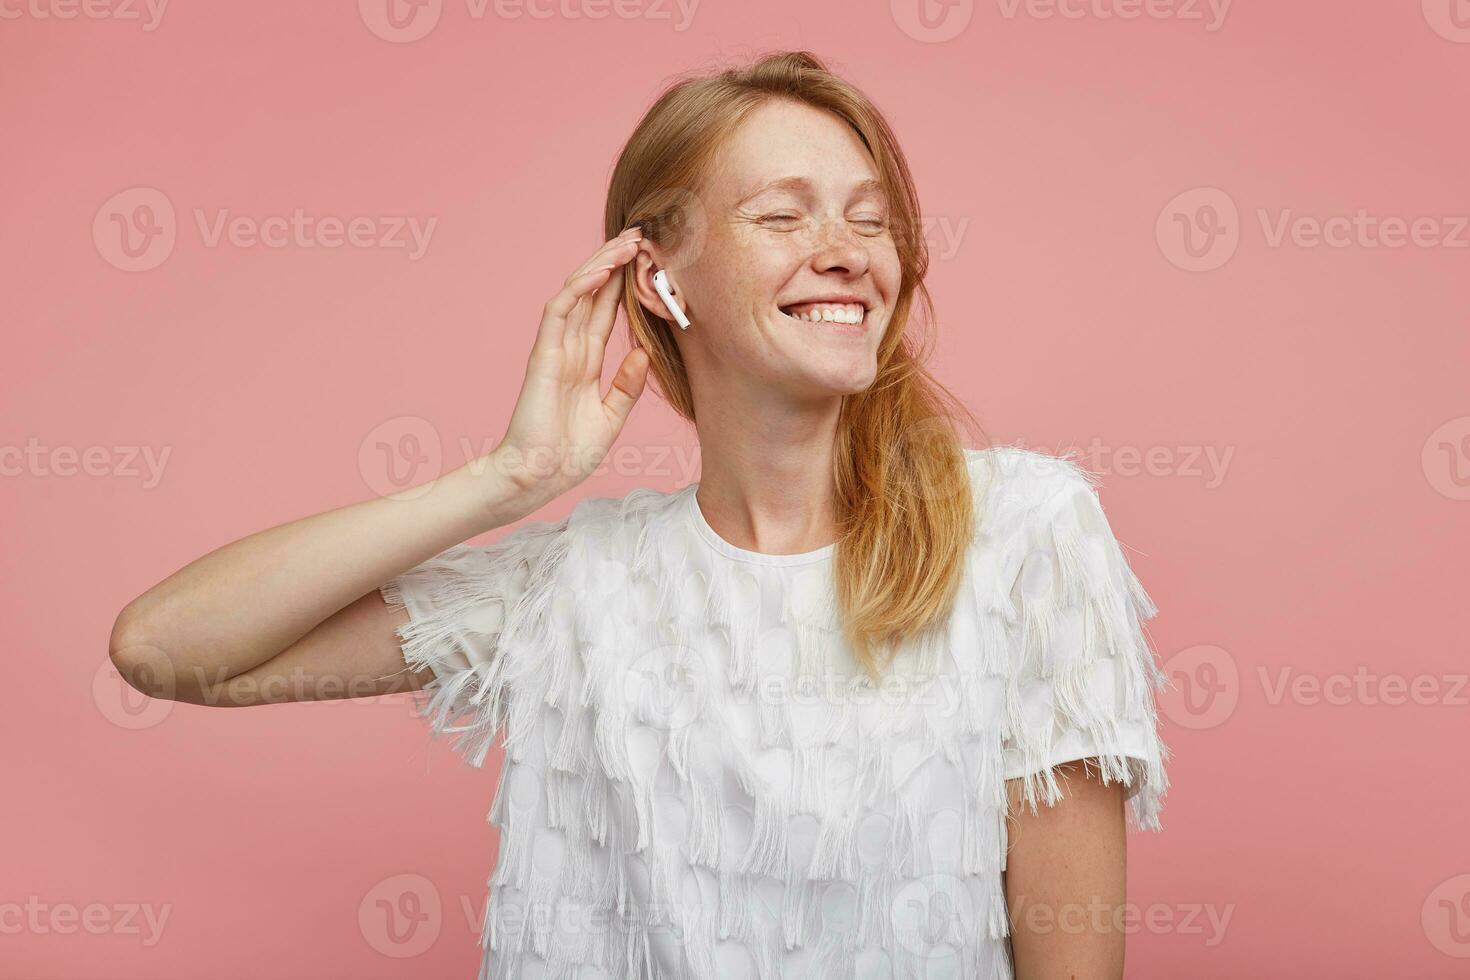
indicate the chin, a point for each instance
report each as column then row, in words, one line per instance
column 837, row 383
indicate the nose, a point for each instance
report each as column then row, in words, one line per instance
column 837, row 247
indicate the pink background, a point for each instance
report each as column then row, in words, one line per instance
column 1329, row 829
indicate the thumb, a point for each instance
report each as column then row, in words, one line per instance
column 627, row 385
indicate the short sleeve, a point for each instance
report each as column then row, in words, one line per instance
column 1083, row 675
column 461, row 604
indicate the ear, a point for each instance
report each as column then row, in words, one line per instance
column 642, row 268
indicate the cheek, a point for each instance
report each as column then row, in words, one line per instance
column 747, row 267
column 762, row 276
column 889, row 270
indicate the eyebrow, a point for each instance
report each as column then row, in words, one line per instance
column 871, row 184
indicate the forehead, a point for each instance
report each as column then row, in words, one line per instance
column 789, row 147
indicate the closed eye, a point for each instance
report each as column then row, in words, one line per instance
column 870, row 225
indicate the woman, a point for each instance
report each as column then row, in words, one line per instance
column 794, row 719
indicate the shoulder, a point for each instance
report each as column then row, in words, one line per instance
column 595, row 527
column 1016, row 486
column 605, row 517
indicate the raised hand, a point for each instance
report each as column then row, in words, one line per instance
column 562, row 425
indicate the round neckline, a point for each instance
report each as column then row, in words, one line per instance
column 713, row 539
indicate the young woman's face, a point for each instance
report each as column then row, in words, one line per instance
column 796, row 243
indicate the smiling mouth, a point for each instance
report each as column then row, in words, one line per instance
column 842, row 318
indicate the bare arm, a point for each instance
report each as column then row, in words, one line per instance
column 1066, row 881
column 293, row 613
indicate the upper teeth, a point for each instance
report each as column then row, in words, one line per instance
column 831, row 312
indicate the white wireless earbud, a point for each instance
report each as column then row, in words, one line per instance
column 661, row 283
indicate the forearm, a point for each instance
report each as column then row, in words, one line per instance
column 244, row 603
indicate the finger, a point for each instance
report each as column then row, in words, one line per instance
column 614, row 254
column 582, row 315
column 554, row 321
column 627, row 385
column 552, row 332
column 601, row 256
column 604, row 311
column 581, row 321
column 592, row 320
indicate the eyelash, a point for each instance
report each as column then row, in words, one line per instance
column 879, row 222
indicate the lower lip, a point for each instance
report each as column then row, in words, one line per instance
column 832, row 326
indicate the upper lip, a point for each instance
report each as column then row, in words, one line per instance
column 831, row 298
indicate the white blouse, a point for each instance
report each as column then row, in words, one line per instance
column 700, row 782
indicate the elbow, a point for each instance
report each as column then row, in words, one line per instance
column 140, row 661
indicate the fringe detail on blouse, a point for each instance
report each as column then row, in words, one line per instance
column 1085, row 665
column 611, row 651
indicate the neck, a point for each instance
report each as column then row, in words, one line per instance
column 766, row 471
